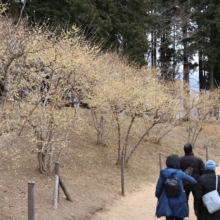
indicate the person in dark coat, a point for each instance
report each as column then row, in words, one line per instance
column 198, row 167
column 206, row 183
column 173, row 207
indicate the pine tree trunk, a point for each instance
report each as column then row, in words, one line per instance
column 201, row 77
column 211, row 79
column 185, row 58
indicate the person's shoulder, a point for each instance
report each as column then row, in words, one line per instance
column 182, row 157
column 185, row 158
column 206, row 176
column 198, row 158
column 180, row 174
column 179, row 171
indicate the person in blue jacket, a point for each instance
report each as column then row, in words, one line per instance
column 173, row 207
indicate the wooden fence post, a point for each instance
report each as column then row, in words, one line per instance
column 122, row 175
column 56, row 185
column 57, row 168
column 68, row 197
column 58, row 182
column 31, row 200
column 160, row 161
column 57, row 172
column 207, row 153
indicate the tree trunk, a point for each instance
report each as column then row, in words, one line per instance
column 185, row 58
column 211, row 79
column 5, row 93
column 153, row 45
column 41, row 152
column 99, row 138
column 42, row 163
column 201, row 77
column 99, row 126
column 155, row 50
column 125, row 146
column 139, row 141
column 100, row 131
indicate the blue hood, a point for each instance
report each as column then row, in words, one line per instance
column 166, row 173
column 173, row 205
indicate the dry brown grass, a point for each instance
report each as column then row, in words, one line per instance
column 90, row 173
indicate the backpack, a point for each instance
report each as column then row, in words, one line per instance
column 172, row 186
column 189, row 171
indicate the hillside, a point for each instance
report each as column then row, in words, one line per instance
column 91, row 175
column 120, row 109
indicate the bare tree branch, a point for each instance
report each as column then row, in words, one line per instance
column 22, row 9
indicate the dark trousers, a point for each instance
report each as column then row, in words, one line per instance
column 187, row 196
column 173, row 218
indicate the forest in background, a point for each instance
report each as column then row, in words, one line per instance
column 166, row 35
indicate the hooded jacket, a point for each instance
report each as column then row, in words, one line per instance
column 176, row 205
column 206, row 183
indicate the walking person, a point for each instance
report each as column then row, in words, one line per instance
column 191, row 160
column 206, row 183
column 172, row 207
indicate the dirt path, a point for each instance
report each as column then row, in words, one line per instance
column 140, row 206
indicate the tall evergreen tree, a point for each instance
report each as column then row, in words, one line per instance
column 167, row 37
column 208, row 19
column 120, row 24
column 174, row 29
